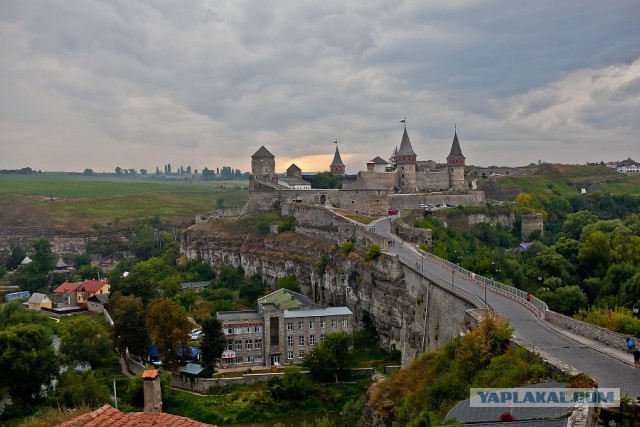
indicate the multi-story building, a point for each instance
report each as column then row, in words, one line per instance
column 284, row 328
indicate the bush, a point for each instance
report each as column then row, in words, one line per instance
column 289, row 282
column 347, row 248
column 373, row 252
column 506, row 417
column 287, row 225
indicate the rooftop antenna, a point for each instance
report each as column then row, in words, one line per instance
column 455, row 129
column 404, row 121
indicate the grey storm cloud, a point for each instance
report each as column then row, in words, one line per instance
column 202, row 82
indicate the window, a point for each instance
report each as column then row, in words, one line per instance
column 249, row 359
column 301, row 340
column 258, row 343
column 345, row 323
column 289, row 354
column 248, row 344
column 312, row 340
column 334, row 323
column 237, row 330
column 300, row 325
column 290, row 341
column 321, row 337
column 312, row 324
column 274, row 329
column 289, row 326
column 259, row 359
column 238, row 345
column 247, row 329
column 322, row 324
column 228, row 331
column 301, row 354
column 229, row 345
column 257, row 329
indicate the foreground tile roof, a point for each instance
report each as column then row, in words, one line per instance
column 109, row 416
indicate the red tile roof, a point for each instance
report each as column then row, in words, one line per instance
column 92, row 285
column 66, row 287
column 150, row 373
column 109, row 416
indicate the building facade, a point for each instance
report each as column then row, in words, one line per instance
column 286, row 326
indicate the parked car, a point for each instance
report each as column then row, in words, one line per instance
column 197, row 335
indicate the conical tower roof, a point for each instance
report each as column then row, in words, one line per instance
column 262, row 152
column 337, row 160
column 456, row 152
column 405, row 146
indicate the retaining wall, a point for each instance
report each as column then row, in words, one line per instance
column 605, row 336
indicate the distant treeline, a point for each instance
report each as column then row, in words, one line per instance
column 23, row 171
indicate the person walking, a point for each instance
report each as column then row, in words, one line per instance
column 528, row 297
column 636, row 358
column 630, row 345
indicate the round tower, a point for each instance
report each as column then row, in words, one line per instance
column 406, row 165
column 455, row 165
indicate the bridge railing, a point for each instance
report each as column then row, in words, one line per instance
column 464, row 294
column 534, row 303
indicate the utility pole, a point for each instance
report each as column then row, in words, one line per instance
column 115, row 394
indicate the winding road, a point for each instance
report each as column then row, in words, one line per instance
column 609, row 367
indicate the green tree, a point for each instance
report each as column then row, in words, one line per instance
column 82, row 389
column 167, row 326
column 82, row 260
column 252, row 289
column 85, row 339
column 186, row 298
column 325, row 180
column 14, row 313
column 575, row 223
column 213, row 343
column 27, row 360
column 332, row 359
column 143, row 242
column 289, row 282
column 129, row 324
column 88, row 172
column 15, row 258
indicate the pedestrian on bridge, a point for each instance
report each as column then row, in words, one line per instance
column 630, row 345
column 636, row 358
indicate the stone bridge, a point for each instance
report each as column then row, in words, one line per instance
column 587, row 348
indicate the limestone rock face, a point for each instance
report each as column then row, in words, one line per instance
column 410, row 314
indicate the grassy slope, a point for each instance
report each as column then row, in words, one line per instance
column 80, row 201
column 564, row 178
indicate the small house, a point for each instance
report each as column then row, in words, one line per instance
column 39, row 301
column 89, row 288
column 196, row 286
column 98, row 303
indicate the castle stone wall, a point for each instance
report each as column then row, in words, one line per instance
column 413, row 201
column 433, row 180
column 365, row 202
column 388, row 179
column 531, row 223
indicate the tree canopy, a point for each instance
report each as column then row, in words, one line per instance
column 167, row 326
column 332, row 359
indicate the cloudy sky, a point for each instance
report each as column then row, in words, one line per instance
column 141, row 83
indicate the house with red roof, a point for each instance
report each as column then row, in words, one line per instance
column 66, row 294
column 89, row 288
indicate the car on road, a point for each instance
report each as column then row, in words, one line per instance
column 196, row 335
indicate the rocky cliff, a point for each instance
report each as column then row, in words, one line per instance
column 383, row 293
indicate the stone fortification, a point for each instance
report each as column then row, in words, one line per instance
column 531, row 223
column 436, row 180
column 413, row 201
column 263, row 201
column 413, row 235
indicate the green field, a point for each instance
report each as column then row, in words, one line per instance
column 77, row 202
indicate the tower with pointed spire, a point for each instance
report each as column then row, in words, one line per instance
column 455, row 164
column 406, row 165
column 337, row 167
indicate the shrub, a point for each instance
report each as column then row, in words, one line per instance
column 289, row 282
column 373, row 252
column 506, row 417
column 287, row 225
column 347, row 248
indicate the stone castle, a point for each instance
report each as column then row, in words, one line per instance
column 371, row 189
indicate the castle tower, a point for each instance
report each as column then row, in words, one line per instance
column 406, row 165
column 337, row 167
column 455, row 165
column 294, row 171
column 263, row 168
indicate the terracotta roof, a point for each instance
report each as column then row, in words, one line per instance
column 92, row 285
column 109, row 416
column 262, row 152
column 66, row 287
column 405, row 146
column 456, row 152
column 150, row 373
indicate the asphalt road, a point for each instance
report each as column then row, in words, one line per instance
column 608, row 371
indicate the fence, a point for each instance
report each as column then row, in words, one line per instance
column 536, row 305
